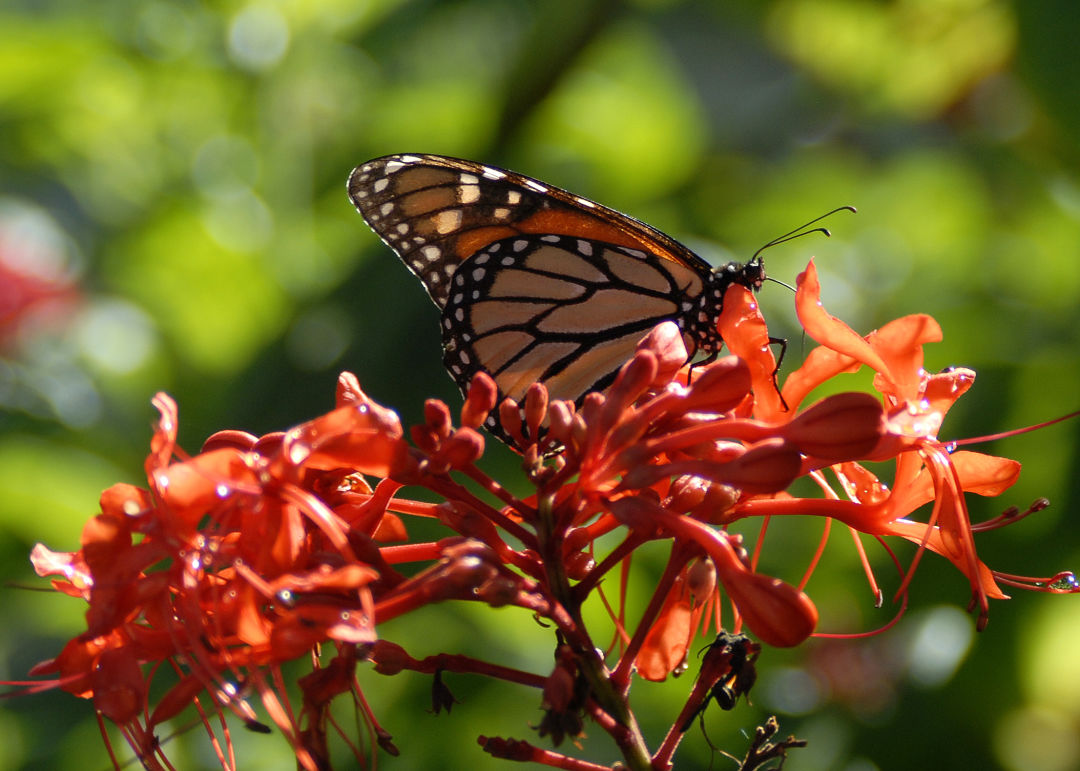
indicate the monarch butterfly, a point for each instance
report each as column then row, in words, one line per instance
column 537, row 284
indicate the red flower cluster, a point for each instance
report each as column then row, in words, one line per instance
column 256, row 552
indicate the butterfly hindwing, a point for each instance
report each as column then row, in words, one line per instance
column 561, row 310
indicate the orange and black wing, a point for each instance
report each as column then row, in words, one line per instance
column 562, row 310
column 436, row 212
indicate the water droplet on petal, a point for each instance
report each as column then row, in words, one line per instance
column 298, row 452
column 223, row 491
column 1066, row 582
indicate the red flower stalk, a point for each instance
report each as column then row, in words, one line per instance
column 255, row 552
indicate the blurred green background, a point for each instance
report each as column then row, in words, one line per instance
column 173, row 217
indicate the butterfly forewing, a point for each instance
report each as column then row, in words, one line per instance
column 436, row 212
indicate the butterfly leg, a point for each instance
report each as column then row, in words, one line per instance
column 782, row 342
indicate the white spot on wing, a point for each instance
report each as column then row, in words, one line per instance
column 447, row 221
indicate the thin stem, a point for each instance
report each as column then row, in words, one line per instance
column 605, row 694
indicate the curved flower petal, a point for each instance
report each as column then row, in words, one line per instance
column 361, row 435
column 826, row 328
column 668, row 638
column 746, row 335
column 899, row 343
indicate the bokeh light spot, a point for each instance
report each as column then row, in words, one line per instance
column 258, row 37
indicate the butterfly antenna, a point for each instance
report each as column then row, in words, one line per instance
column 781, row 283
column 802, row 231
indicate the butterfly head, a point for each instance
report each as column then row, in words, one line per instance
column 748, row 274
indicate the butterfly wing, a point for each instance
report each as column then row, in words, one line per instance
column 562, row 310
column 436, row 212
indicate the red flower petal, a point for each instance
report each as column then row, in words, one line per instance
column 827, row 329
column 746, row 335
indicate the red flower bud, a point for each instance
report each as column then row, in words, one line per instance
column 480, row 401
column 437, row 418
column 720, row 386
column 665, row 342
column 239, row 440
column 844, row 426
